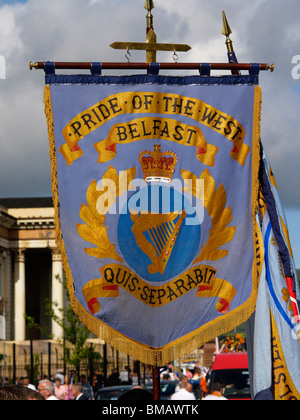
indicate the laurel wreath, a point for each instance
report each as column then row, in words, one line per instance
column 215, row 202
column 99, row 202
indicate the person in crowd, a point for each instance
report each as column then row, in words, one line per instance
column 60, row 374
column 135, row 379
column 68, row 388
column 98, row 380
column 19, row 392
column 46, row 388
column 190, row 387
column 183, row 378
column 20, row 380
column 59, row 389
column 73, row 377
column 113, row 378
column 197, row 373
column 184, row 393
column 172, row 374
column 202, row 389
column 77, row 393
column 27, row 384
column 216, row 393
column 86, row 387
column 125, row 376
column 189, row 374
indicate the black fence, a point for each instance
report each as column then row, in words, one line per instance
column 39, row 360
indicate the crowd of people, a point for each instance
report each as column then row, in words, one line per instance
column 59, row 387
column 185, row 390
column 64, row 387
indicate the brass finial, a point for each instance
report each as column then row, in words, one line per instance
column 226, row 28
column 150, row 34
column 149, row 5
column 33, row 65
column 226, row 32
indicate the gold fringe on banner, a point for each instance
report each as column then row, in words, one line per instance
column 256, row 149
column 188, row 343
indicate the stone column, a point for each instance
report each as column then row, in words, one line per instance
column 3, row 293
column 20, row 302
column 2, row 260
column 57, row 291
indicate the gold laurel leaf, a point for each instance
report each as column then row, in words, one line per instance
column 106, row 201
column 89, row 217
column 92, row 196
column 219, row 197
column 100, row 198
column 217, row 239
column 215, row 203
column 224, row 219
column 209, row 189
column 125, row 179
column 190, row 182
column 226, row 235
column 112, row 175
column 104, row 253
column 88, row 234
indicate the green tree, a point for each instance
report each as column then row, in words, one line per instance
column 75, row 333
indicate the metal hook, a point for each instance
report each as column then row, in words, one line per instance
column 127, row 55
column 175, row 57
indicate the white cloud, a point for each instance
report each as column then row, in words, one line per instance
column 11, row 42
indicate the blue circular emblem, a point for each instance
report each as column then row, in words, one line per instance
column 159, row 233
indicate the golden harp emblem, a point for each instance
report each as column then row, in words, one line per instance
column 156, row 233
column 163, row 230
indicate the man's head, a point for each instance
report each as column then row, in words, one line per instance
column 183, row 378
column 46, row 388
column 218, row 387
column 76, row 390
column 183, row 385
column 82, row 379
column 19, row 392
column 26, row 381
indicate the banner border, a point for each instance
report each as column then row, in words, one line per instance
column 86, row 79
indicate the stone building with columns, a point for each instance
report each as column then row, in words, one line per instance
column 29, row 265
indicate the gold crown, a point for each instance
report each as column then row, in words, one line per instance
column 158, row 165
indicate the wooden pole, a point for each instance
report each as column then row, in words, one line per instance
column 31, row 363
column 156, row 383
column 105, row 363
column 146, row 66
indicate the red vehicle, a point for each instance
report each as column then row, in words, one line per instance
column 231, row 369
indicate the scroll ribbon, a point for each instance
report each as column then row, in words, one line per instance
column 157, row 103
column 200, row 277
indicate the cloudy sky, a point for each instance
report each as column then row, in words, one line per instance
column 82, row 30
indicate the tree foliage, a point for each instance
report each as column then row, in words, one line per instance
column 75, row 333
